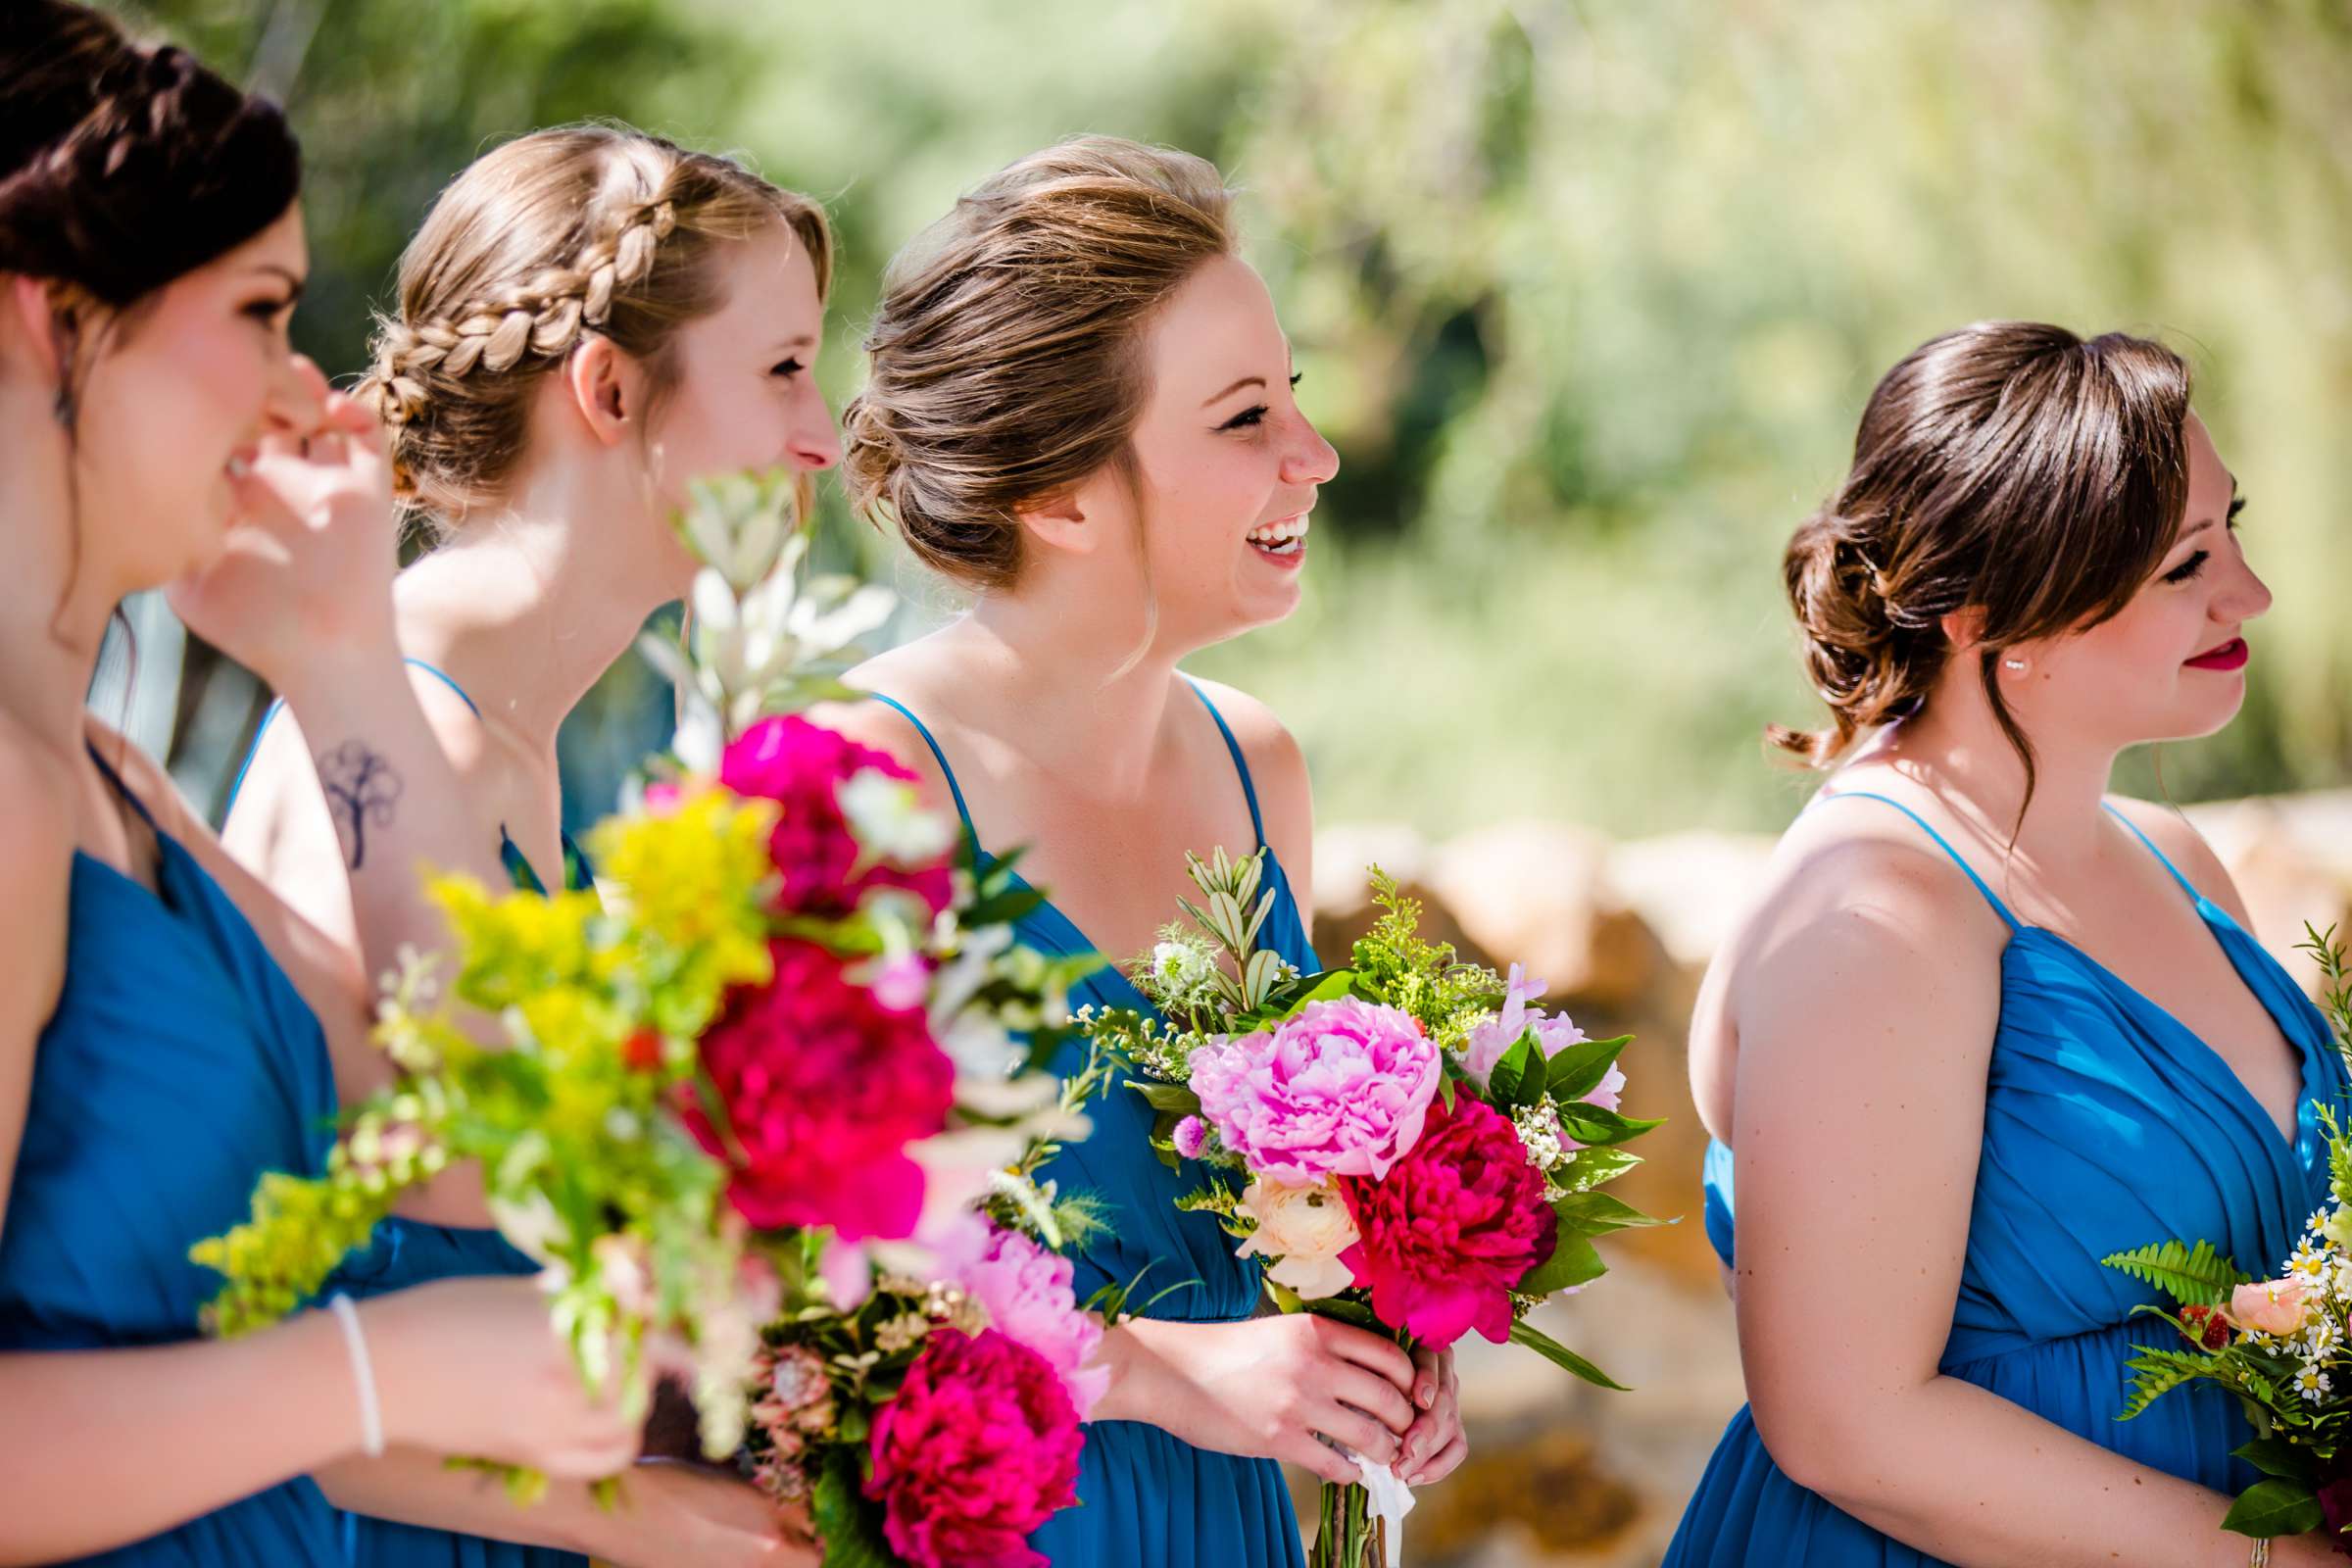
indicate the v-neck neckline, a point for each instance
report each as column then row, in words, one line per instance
column 2221, row 925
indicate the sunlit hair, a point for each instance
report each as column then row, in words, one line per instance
column 1005, row 354
column 553, row 236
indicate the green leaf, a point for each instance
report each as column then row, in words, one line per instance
column 1573, row 1261
column 1597, row 1128
column 1174, row 1100
column 1446, row 1091
column 1588, row 1168
column 1597, row 1214
column 2157, row 1373
column 1510, row 1075
column 2273, row 1507
column 2275, row 1457
column 1578, row 1071
column 2196, row 1276
column 1329, row 986
column 1558, row 1354
column 852, row 1535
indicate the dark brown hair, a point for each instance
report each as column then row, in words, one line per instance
column 2010, row 467
column 124, row 166
column 559, row 234
column 1005, row 364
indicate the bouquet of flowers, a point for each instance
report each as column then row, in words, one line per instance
column 1411, row 1145
column 2278, row 1344
column 782, row 1038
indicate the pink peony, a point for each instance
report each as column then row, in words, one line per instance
column 1554, row 1033
column 825, row 869
column 823, row 1089
column 1337, row 1089
column 1026, row 1291
column 2269, row 1307
column 1454, row 1227
column 979, row 1449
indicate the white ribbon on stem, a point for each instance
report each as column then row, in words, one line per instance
column 1391, row 1500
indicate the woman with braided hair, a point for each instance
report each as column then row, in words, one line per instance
column 170, row 1029
column 1987, row 1025
column 590, row 317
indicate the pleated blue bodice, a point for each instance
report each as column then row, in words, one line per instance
column 1148, row 1499
column 2108, row 1125
column 179, row 1065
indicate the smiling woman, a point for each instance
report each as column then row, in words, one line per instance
column 1080, row 409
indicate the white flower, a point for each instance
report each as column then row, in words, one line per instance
column 1307, row 1228
column 1180, row 970
column 2312, row 1383
column 1538, row 1130
column 890, row 819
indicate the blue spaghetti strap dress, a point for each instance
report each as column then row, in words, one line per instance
column 2108, row 1125
column 406, row 1252
column 1146, row 1498
column 181, row 1065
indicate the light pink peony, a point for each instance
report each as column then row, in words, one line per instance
column 2269, row 1307
column 1026, row 1291
column 1454, row 1227
column 1337, row 1089
column 1554, row 1033
column 979, row 1447
column 823, row 1089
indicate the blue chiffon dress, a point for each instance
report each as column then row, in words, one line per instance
column 181, row 1065
column 406, row 1252
column 1146, row 1498
column 2108, row 1125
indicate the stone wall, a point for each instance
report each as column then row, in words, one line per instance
column 1561, row 1473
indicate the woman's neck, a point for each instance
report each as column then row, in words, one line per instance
column 55, row 597
column 524, row 611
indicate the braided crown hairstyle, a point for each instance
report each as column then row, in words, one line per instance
column 1004, row 362
column 2009, row 467
column 124, row 166
column 556, row 235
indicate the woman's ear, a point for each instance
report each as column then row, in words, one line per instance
column 1964, row 629
column 49, row 320
column 605, row 388
column 1062, row 523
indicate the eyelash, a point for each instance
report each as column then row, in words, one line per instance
column 2187, row 569
column 1253, row 416
column 787, row 369
column 267, row 312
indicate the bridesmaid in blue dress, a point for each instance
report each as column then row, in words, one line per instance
column 1079, row 409
column 550, row 520
column 1987, row 1026
column 169, row 1031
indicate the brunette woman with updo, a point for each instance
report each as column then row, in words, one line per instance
column 1079, row 411
column 170, row 1030
column 590, row 317
column 1989, row 1024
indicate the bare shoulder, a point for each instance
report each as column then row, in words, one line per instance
column 1278, row 769
column 37, row 831
column 2183, row 844
column 909, row 676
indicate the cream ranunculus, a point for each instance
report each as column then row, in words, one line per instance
column 1308, row 1228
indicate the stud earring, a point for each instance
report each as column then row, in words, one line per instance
column 2013, row 664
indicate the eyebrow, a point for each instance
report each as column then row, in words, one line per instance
column 1246, row 380
column 2237, row 501
column 294, row 281
column 801, row 342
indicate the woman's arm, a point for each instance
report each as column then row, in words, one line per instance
column 1865, row 1026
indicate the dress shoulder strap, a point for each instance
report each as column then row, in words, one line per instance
column 1942, row 842
column 1241, row 763
column 947, row 772
column 2186, row 886
column 126, row 791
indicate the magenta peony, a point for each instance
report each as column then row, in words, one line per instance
column 823, row 1089
column 1337, row 1089
column 1454, row 1227
column 1026, row 1291
column 827, row 870
column 978, row 1450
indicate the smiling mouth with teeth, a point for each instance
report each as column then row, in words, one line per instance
column 1286, row 536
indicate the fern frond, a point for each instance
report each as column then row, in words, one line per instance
column 2193, row 1276
column 2158, row 1372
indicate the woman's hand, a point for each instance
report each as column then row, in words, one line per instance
column 1264, row 1387
column 476, row 1367
column 307, row 566
column 1434, row 1445
column 674, row 1514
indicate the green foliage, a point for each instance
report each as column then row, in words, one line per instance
column 851, row 1532
column 2275, row 1507
column 2196, row 1276
column 2156, row 1372
column 1558, row 1354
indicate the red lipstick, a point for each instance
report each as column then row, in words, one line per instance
column 2229, row 656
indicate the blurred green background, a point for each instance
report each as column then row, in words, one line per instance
column 1586, row 295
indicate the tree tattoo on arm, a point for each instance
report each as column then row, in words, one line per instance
column 360, row 788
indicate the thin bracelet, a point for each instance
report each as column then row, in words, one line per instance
column 362, row 1373
column 2262, row 1552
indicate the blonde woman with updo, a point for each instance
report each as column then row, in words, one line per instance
column 1079, row 411
column 1988, row 1024
column 589, row 317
